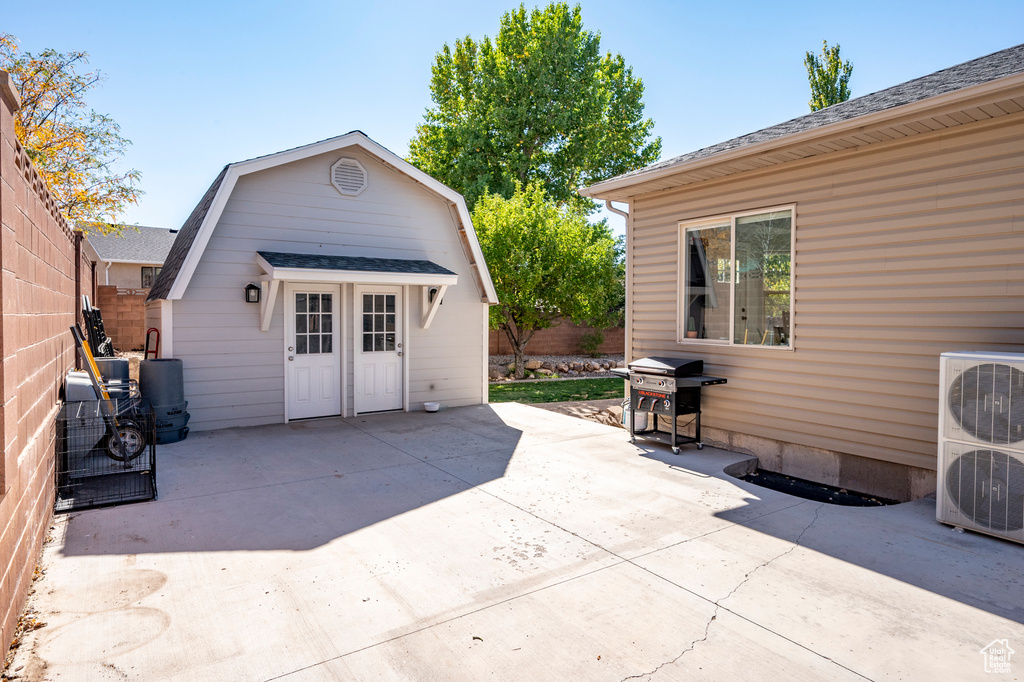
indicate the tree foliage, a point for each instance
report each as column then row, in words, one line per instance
column 539, row 102
column 828, row 76
column 547, row 261
column 73, row 147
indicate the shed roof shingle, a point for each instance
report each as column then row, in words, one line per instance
column 187, row 234
column 353, row 263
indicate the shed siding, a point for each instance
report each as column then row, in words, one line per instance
column 904, row 250
column 234, row 373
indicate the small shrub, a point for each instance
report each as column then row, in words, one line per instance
column 591, row 343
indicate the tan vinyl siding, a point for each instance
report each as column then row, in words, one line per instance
column 904, row 249
column 234, row 373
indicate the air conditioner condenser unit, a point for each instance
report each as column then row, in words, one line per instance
column 980, row 478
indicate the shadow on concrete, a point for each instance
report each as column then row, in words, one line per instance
column 300, row 485
column 902, row 541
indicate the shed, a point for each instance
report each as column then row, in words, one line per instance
column 372, row 290
column 822, row 265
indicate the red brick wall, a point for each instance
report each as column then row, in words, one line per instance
column 37, row 288
column 124, row 315
column 563, row 339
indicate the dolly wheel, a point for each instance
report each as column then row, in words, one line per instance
column 700, row 446
column 675, row 450
column 133, row 442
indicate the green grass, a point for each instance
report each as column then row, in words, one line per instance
column 557, row 391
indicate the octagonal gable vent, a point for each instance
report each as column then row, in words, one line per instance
column 348, row 177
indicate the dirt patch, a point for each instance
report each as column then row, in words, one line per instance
column 607, row 412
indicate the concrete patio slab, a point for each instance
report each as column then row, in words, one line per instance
column 504, row 542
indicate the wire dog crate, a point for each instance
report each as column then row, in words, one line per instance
column 95, row 470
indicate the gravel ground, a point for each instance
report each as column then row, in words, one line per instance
column 611, row 360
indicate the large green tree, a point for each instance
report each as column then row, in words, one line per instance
column 539, row 102
column 829, row 77
column 547, row 261
column 74, row 148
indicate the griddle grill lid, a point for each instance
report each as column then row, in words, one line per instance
column 673, row 367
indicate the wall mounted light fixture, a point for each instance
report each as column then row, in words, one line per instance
column 252, row 293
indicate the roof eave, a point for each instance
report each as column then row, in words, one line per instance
column 623, row 187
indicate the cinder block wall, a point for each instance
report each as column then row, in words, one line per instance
column 563, row 339
column 124, row 315
column 37, row 289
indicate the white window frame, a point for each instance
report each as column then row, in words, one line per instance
column 683, row 264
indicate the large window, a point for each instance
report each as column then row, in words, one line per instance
column 737, row 279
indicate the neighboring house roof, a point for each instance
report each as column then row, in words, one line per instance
column 133, row 244
column 181, row 262
column 829, row 129
column 353, row 263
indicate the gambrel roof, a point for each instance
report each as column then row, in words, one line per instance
column 184, row 256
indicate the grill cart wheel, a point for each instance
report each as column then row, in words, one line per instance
column 133, row 442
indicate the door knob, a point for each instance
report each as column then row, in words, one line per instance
column 290, row 358
column 291, row 348
column 399, row 353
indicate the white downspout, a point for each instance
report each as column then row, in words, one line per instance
column 629, row 278
column 106, row 273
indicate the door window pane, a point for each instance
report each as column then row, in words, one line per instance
column 379, row 321
column 707, row 282
column 313, row 328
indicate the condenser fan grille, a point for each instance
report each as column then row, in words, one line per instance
column 987, row 401
column 988, row 487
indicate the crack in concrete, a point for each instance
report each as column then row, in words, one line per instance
column 693, row 645
column 718, row 602
column 796, row 543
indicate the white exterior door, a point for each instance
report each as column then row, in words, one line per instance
column 312, row 350
column 378, row 349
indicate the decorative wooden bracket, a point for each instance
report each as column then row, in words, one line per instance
column 268, row 296
column 431, row 303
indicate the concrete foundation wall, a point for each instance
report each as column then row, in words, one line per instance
column 37, row 291
column 860, row 474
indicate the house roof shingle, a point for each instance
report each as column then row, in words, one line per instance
column 353, row 263
column 985, row 69
column 133, row 244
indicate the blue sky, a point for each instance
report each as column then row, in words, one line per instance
column 196, row 85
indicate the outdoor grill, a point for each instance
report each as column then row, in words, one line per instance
column 669, row 387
